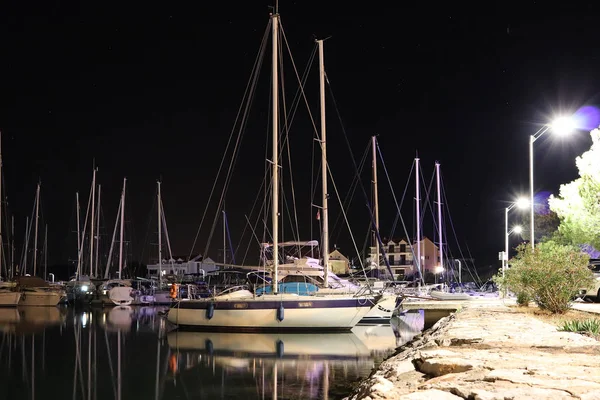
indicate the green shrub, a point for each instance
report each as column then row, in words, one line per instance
column 585, row 326
column 550, row 275
column 523, row 299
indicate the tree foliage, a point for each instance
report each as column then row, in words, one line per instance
column 551, row 275
column 578, row 202
column 546, row 224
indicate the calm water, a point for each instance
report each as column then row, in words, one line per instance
column 128, row 353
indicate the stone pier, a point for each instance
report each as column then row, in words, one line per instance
column 493, row 353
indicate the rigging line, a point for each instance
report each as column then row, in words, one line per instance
column 241, row 130
column 229, row 239
column 387, row 176
column 427, row 199
column 264, row 185
column 478, row 280
column 474, row 268
column 233, row 129
column 356, row 171
column 300, row 91
column 337, row 194
column 352, row 190
column 293, row 216
column 408, row 181
column 26, row 249
column 150, row 218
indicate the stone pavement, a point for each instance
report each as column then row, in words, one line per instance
column 489, row 354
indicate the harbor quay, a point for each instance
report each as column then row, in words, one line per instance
column 488, row 352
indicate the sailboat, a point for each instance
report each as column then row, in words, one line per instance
column 241, row 309
column 8, row 297
column 441, row 294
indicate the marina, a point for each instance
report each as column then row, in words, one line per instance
column 133, row 352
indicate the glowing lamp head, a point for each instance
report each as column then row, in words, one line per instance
column 439, row 269
column 518, row 229
column 522, row 203
column 563, row 126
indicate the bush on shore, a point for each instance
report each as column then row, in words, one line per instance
column 550, row 275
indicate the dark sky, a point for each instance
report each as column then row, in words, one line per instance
column 151, row 90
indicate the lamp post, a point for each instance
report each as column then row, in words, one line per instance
column 517, row 229
column 561, row 126
column 521, row 204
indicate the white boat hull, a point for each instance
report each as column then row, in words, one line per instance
column 9, row 299
column 271, row 312
column 42, row 298
column 436, row 294
column 382, row 311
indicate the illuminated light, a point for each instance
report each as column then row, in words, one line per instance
column 84, row 288
column 563, row 126
column 518, row 229
column 522, row 203
column 439, row 269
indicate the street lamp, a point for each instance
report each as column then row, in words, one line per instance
column 522, row 204
column 561, row 126
column 516, row 229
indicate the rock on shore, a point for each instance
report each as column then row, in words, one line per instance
column 489, row 354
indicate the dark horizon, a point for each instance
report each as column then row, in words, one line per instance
column 151, row 91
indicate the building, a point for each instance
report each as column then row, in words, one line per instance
column 338, row 263
column 400, row 257
column 182, row 266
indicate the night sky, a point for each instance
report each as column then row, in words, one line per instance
column 150, row 90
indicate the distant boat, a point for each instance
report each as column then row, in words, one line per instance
column 37, row 292
column 9, row 298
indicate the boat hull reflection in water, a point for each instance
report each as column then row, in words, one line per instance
column 51, row 353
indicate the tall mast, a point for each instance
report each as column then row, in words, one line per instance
column 37, row 218
column 93, row 215
column 375, row 199
column 1, row 199
column 275, row 161
column 78, row 237
column 159, row 206
column 324, row 175
column 439, row 201
column 46, row 253
column 224, row 237
column 27, row 228
column 122, row 223
column 97, row 231
column 112, row 242
column 12, row 250
column 418, row 217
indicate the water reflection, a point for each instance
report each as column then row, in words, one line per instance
column 127, row 353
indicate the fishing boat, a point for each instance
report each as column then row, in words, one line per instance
column 240, row 309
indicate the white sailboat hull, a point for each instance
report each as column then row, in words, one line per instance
column 9, row 299
column 272, row 312
column 41, row 298
column 382, row 311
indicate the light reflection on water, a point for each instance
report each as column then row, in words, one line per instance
column 128, row 353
